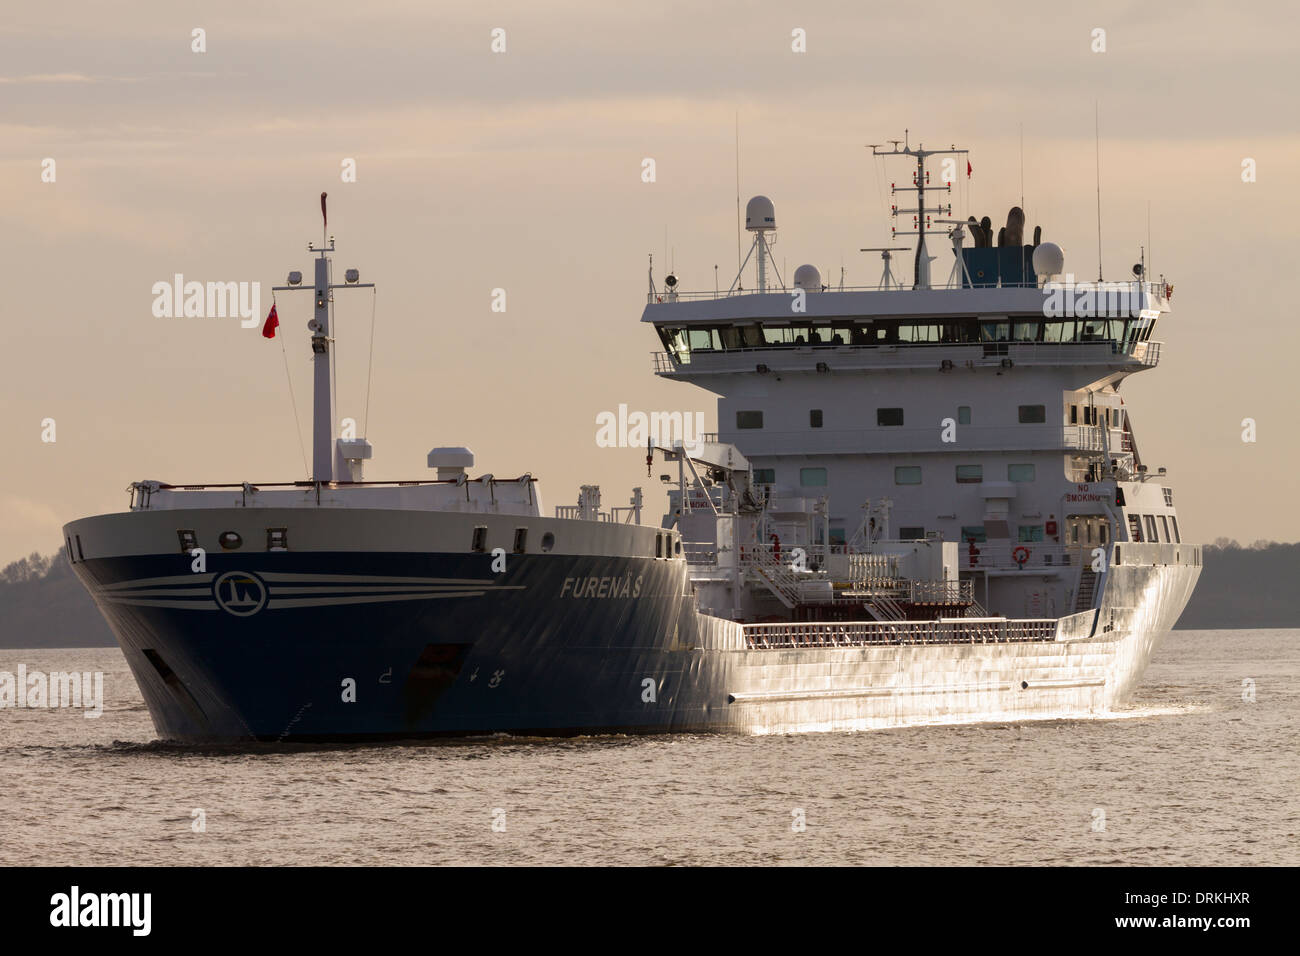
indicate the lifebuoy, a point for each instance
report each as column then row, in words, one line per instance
column 1020, row 555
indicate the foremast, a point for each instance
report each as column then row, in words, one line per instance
column 329, row 456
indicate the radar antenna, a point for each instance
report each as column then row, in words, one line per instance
column 922, row 215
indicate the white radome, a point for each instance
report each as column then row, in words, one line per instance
column 1049, row 260
column 760, row 214
column 808, row 278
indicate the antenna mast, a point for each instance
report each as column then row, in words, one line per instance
column 921, row 215
column 1096, row 135
column 328, row 462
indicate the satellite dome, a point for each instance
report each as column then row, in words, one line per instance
column 760, row 214
column 808, row 278
column 1049, row 260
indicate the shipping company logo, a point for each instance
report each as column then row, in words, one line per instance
column 240, row 593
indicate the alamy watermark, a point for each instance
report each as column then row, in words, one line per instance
column 1092, row 300
column 624, row 429
column 37, row 690
column 179, row 299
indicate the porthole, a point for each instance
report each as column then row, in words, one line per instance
column 229, row 540
column 548, row 541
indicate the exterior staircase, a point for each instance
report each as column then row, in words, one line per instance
column 1086, row 598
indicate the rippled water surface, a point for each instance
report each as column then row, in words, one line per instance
column 1190, row 773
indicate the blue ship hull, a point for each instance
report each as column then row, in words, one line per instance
column 264, row 646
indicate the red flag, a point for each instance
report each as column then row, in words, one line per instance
column 968, row 169
column 272, row 323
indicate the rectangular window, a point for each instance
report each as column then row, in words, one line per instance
column 1164, row 523
column 521, row 540
column 909, row 533
column 1178, row 538
column 1074, row 414
column 907, row 475
column 970, row 474
column 659, row 546
column 764, row 476
column 478, row 542
column 749, row 419
column 1135, row 527
column 1151, row 528
column 973, row 532
column 1031, row 532
column 812, row 477
column 1024, row 331
column 1033, row 414
column 815, row 418
column 889, row 416
column 1020, row 472
column 186, row 537
column 963, row 414
column 277, row 539
column 1169, row 497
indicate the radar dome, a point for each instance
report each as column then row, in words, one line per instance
column 808, row 278
column 760, row 214
column 1049, row 260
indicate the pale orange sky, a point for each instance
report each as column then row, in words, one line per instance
column 522, row 171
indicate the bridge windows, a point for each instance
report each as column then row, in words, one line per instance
column 889, row 417
column 812, row 477
column 1135, row 527
column 970, row 474
column 1169, row 497
column 1178, row 539
column 866, row 332
column 749, row 419
column 995, row 331
column 1151, row 528
column 1024, row 472
column 815, row 418
column 907, row 475
column 1033, row 414
column 1164, row 523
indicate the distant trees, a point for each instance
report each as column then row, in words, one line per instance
column 1230, row 544
column 33, row 567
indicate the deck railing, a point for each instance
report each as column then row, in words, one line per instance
column 947, row 631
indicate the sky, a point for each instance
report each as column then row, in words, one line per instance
column 522, row 170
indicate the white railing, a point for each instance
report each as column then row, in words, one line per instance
column 1153, row 289
column 905, row 354
column 969, row 630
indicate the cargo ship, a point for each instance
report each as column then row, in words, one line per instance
column 924, row 504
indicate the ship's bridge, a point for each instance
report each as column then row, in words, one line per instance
column 1054, row 324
